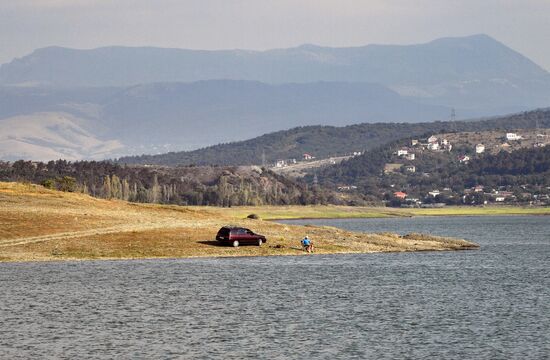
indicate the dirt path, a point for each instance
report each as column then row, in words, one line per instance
column 98, row 231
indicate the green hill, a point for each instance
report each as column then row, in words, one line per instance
column 517, row 173
column 326, row 141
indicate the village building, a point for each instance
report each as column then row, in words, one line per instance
column 478, row 188
column 410, row 168
column 480, row 148
column 463, row 159
column 402, row 152
column 280, row 163
column 308, row 157
column 414, row 142
column 433, row 146
column 347, row 187
column 513, row 137
column 400, row 194
column 505, row 146
column 434, row 193
column 432, row 139
column 500, row 196
column 410, row 156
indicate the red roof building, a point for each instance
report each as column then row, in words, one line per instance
column 400, row 194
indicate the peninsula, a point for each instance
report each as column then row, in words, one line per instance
column 40, row 224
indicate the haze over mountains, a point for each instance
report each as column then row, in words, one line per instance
column 153, row 100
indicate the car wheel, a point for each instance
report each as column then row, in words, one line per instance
column 260, row 242
column 235, row 243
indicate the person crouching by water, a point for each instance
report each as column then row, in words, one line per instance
column 307, row 245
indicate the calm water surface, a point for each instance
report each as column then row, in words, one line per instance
column 493, row 303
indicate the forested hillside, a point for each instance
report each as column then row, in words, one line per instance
column 325, row 141
column 219, row 186
column 521, row 176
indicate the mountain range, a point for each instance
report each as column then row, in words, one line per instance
column 155, row 100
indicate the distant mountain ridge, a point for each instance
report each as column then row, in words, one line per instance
column 445, row 59
column 469, row 72
column 154, row 100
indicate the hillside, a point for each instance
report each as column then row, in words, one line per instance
column 325, row 141
column 46, row 136
column 153, row 100
column 449, row 168
column 194, row 185
column 155, row 118
column 42, row 224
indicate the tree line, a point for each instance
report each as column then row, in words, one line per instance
column 217, row 186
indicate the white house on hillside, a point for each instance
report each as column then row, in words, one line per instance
column 512, row 136
column 480, row 148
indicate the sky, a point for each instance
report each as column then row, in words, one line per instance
column 25, row 25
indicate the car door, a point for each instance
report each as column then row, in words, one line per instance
column 251, row 237
column 241, row 235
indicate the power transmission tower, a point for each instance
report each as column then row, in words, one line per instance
column 452, row 125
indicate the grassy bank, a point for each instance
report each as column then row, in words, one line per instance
column 41, row 224
column 337, row 212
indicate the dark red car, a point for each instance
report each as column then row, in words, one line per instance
column 235, row 236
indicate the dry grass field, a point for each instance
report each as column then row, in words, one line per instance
column 41, row 224
column 347, row 212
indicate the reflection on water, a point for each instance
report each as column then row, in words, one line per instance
column 491, row 303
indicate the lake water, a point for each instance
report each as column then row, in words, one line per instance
column 492, row 303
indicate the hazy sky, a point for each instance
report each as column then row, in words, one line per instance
column 261, row 24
